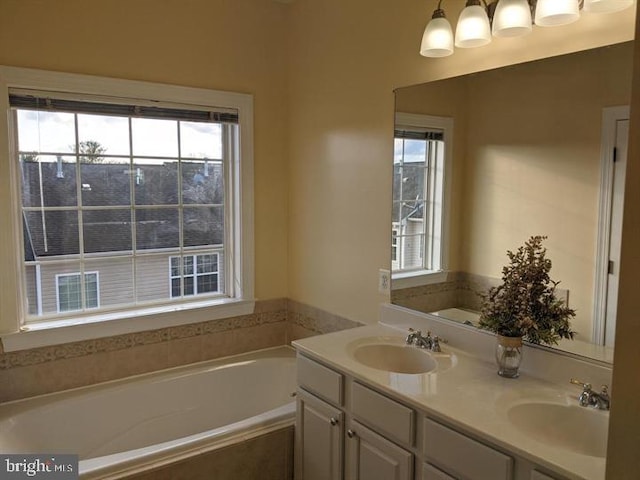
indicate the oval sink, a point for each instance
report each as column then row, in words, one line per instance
column 395, row 358
column 571, row 427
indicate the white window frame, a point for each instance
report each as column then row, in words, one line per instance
column 81, row 275
column 15, row 334
column 194, row 275
column 407, row 279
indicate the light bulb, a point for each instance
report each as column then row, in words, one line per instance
column 437, row 40
column 473, row 29
column 512, row 18
column 551, row 13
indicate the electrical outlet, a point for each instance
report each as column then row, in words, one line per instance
column 384, row 281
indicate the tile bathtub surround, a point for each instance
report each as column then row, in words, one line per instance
column 49, row 369
column 459, row 290
column 266, row 457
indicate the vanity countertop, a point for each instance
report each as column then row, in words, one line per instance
column 469, row 395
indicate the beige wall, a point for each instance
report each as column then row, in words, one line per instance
column 219, row 44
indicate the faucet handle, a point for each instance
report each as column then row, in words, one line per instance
column 585, row 386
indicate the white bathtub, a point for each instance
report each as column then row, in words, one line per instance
column 131, row 425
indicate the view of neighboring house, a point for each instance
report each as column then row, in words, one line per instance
column 102, row 231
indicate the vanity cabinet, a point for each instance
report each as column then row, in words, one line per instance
column 347, row 430
column 319, row 434
column 372, row 457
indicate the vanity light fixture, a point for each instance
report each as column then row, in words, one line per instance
column 504, row 18
column 437, row 40
column 473, row 29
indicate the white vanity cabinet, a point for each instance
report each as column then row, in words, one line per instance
column 347, row 430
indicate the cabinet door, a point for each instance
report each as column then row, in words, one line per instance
column 319, row 439
column 372, row 457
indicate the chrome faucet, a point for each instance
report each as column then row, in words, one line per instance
column 428, row 342
column 589, row 398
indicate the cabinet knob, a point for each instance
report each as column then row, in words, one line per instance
column 334, row 421
column 351, row 433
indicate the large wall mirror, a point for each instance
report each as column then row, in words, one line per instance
column 487, row 160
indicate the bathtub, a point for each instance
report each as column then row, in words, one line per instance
column 136, row 424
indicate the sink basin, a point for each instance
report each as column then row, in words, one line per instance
column 395, row 358
column 567, row 426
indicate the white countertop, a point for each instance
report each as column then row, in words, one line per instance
column 469, row 395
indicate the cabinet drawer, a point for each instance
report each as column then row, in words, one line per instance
column 383, row 414
column 320, row 380
column 429, row 472
column 461, row 456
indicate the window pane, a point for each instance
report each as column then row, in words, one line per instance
column 207, row 283
column 202, row 182
column 105, row 184
column 413, row 212
column 154, row 138
column 50, row 132
column 207, row 263
column 69, row 293
column 201, row 140
column 175, row 266
column 175, row 287
column 188, row 286
column 115, row 281
column 91, row 290
column 107, row 230
column 152, row 282
column 50, row 233
column 414, row 151
column 157, row 228
column 109, row 133
column 155, row 182
column 413, row 251
column 413, row 182
column 55, row 174
column 203, row 226
column 188, row 265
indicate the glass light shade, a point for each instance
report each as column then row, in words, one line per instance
column 437, row 40
column 473, row 28
column 512, row 18
column 551, row 13
column 606, row 6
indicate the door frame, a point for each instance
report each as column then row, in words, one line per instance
column 610, row 117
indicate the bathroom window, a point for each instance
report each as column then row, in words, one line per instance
column 115, row 182
column 72, row 297
column 194, row 274
column 419, row 194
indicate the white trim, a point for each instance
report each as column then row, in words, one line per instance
column 74, row 330
column 445, row 124
column 610, row 116
column 417, row 278
column 12, row 306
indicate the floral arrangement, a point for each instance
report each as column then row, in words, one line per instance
column 525, row 304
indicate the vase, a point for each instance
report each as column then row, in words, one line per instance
column 509, row 356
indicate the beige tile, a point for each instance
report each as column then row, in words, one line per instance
column 5, row 386
column 50, row 377
column 271, row 305
column 184, row 350
column 296, row 332
column 218, row 344
column 139, row 359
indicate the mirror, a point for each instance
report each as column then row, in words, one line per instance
column 519, row 151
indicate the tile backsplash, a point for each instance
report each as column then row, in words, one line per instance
column 48, row 369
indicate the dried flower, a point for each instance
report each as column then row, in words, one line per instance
column 525, row 305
